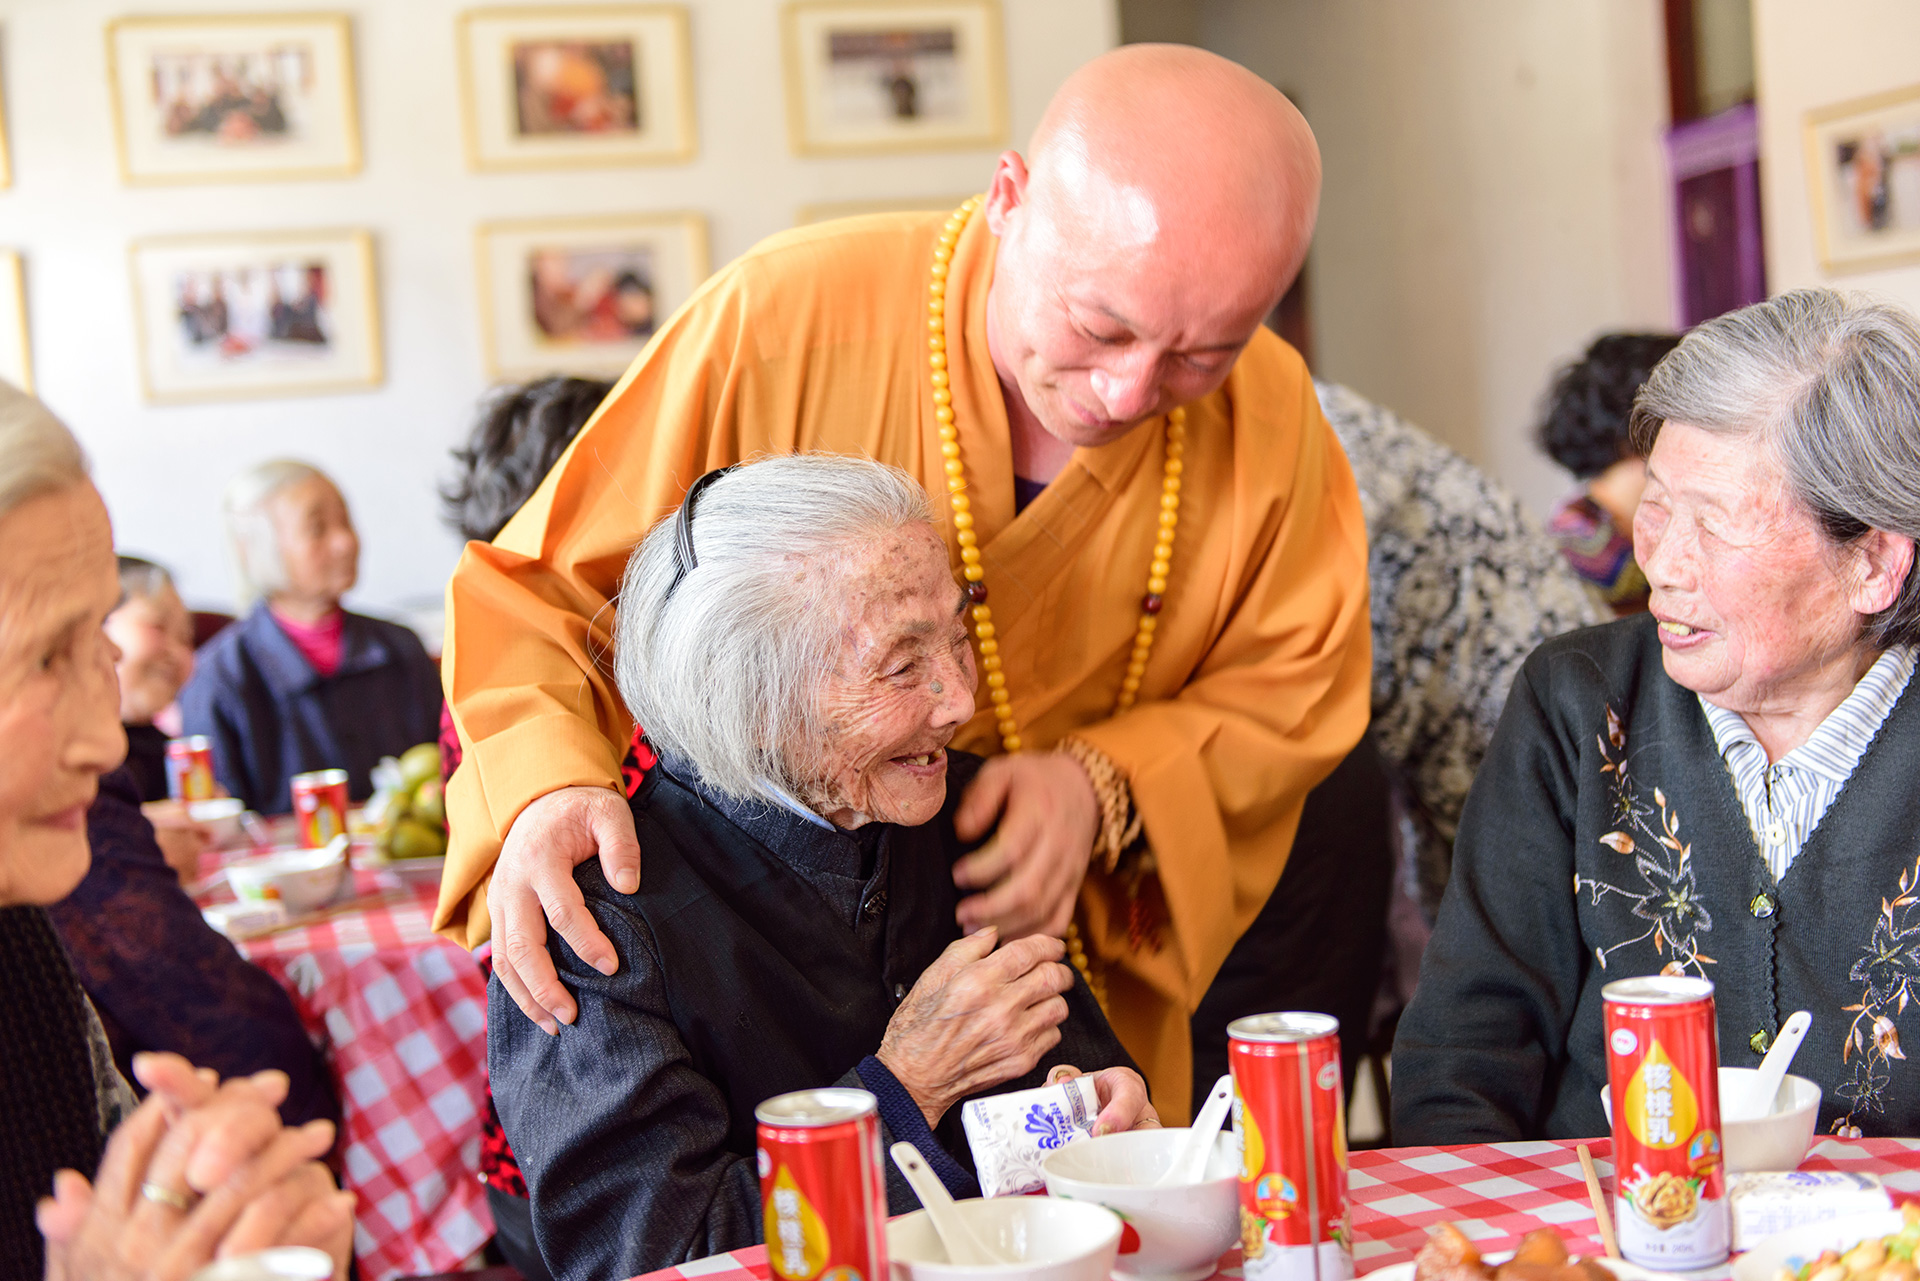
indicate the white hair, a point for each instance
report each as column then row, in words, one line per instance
column 38, row 455
column 722, row 667
column 1828, row 381
column 256, row 547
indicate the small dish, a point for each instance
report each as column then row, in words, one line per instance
column 1172, row 1233
column 302, row 880
column 1770, row 1254
column 1052, row 1240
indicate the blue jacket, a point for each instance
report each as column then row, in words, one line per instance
column 160, row 976
column 271, row 715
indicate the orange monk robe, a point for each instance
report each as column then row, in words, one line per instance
column 817, row 340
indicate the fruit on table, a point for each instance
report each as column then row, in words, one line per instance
column 409, row 808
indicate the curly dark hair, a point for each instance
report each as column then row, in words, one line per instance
column 1584, row 428
column 521, row 433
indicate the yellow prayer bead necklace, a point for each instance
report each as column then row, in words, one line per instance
column 983, row 629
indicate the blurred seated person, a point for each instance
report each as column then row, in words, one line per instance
column 299, row 683
column 154, row 634
column 795, row 643
column 1585, row 431
column 1722, row 788
column 520, row 434
column 92, row 1186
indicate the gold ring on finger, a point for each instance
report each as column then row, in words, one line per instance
column 159, row 1195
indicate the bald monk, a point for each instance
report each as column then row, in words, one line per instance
column 1112, row 283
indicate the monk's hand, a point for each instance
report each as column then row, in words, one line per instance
column 533, row 886
column 1031, row 870
column 1122, row 1095
column 976, row 1018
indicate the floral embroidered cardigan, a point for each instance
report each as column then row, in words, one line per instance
column 1603, row 839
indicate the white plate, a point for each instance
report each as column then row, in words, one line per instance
column 1619, row 1267
column 1771, row 1253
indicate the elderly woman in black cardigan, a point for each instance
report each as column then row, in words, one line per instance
column 1724, row 787
column 794, row 642
column 198, row 1166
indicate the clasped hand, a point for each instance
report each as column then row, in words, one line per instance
column 1040, row 806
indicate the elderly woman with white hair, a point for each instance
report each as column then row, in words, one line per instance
column 301, row 684
column 199, row 1166
column 793, row 640
column 1723, row 787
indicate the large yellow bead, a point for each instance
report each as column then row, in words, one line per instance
column 943, row 414
column 989, row 663
column 996, row 680
column 1131, row 685
column 960, row 503
column 972, row 573
column 936, row 306
column 937, row 342
column 939, row 271
column 1148, row 622
column 1170, row 485
column 938, row 378
column 970, row 555
column 938, row 288
column 966, row 537
column 941, row 396
column 944, row 250
column 985, row 631
column 1169, row 519
column 982, row 613
column 1011, row 742
column 989, row 647
column 1160, row 566
column 950, row 448
column 1136, row 670
column 937, row 324
column 999, row 696
column 1156, row 585
column 1174, row 467
column 1170, row 502
column 955, row 471
column 938, row 360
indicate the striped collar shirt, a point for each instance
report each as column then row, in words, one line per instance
column 1784, row 801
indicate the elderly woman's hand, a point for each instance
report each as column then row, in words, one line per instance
column 246, row 1183
column 977, row 1017
column 1122, row 1094
column 182, row 841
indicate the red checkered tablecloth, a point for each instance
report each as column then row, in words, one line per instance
column 1495, row 1193
column 403, row 1016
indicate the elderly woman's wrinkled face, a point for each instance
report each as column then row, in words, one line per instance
column 155, row 637
column 1757, row 609
column 59, row 708
column 318, row 545
column 902, row 685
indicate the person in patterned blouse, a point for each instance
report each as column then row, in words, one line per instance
column 1723, row 787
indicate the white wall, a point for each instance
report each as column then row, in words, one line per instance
column 1494, row 196
column 1809, row 56
column 161, row 468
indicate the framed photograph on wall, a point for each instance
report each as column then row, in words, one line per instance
column 878, row 75
column 576, row 85
column 16, row 353
column 828, row 210
column 1863, row 177
column 247, row 315
column 583, row 295
column 233, row 97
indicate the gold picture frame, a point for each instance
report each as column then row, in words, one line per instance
column 867, row 77
column 236, row 97
column 522, row 69
column 256, row 315
column 582, row 295
column 828, row 210
column 1863, row 181
column 16, row 347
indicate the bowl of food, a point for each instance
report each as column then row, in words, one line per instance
column 1449, row 1255
column 1177, row 1232
column 1045, row 1239
column 301, row 880
column 1777, row 1141
column 221, row 817
column 1855, row 1248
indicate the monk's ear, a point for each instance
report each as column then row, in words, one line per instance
column 1881, row 563
column 1008, row 191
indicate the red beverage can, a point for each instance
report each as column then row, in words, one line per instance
column 822, row 1187
column 1293, row 1147
column 190, row 768
column 1663, row 1072
column 320, row 806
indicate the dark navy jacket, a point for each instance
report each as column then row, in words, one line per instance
column 271, row 716
column 160, row 976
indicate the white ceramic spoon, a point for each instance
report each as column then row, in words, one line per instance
column 964, row 1248
column 1758, row 1101
column 1190, row 1163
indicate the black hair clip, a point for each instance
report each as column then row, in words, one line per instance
column 683, row 558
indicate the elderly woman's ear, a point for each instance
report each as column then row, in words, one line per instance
column 1881, row 564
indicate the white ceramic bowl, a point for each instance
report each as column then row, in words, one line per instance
column 1051, row 1241
column 1178, row 1232
column 1764, row 1261
column 301, row 879
column 221, row 817
column 1776, row 1142
column 285, row 1263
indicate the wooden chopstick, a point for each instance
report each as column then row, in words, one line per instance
column 1599, row 1201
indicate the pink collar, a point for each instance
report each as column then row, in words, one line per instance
column 319, row 643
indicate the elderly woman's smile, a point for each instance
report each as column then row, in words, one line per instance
column 901, row 687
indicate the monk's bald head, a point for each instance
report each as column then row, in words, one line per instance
column 1182, row 146
column 1166, row 201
